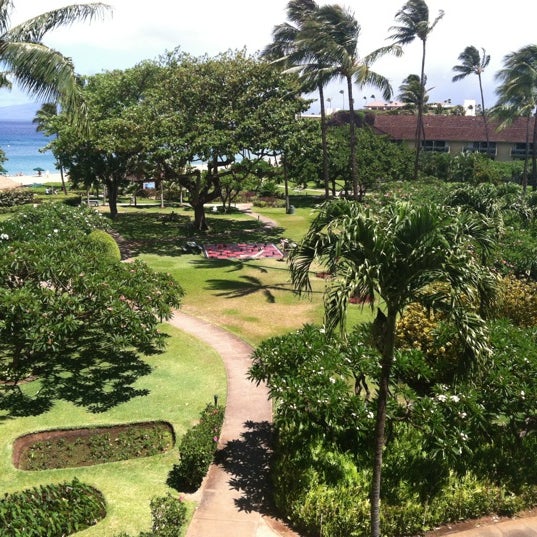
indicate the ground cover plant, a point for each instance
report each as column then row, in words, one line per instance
column 72, row 448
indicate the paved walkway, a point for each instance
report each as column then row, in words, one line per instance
column 234, row 500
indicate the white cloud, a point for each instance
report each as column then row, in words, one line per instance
column 211, row 26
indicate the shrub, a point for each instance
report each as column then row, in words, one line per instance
column 52, row 510
column 518, row 301
column 11, row 198
column 104, row 246
column 196, row 450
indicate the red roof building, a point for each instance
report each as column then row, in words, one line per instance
column 455, row 134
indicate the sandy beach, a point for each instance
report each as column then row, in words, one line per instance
column 14, row 181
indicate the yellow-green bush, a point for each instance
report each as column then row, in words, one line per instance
column 104, row 246
column 518, row 301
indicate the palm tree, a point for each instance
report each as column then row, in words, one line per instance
column 333, row 33
column 39, row 70
column 517, row 93
column 472, row 62
column 414, row 22
column 401, row 254
column 289, row 50
column 412, row 93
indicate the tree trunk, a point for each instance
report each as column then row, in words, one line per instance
column 64, row 188
column 385, row 339
column 324, row 144
column 112, row 187
column 200, row 224
column 420, row 131
column 534, row 155
column 352, row 142
column 485, row 119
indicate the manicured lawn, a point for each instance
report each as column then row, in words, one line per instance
column 183, row 380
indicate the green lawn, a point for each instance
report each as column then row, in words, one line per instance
column 183, row 380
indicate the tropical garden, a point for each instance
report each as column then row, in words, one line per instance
column 403, row 389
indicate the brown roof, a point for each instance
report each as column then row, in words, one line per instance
column 451, row 128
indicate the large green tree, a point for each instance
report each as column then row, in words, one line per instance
column 43, row 72
column 473, row 63
column 413, row 19
column 332, row 34
column 71, row 313
column 401, row 254
column 205, row 114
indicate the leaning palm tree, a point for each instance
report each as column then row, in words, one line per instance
column 333, row 33
column 41, row 71
column 517, row 93
column 473, row 63
column 413, row 20
column 399, row 255
column 289, row 51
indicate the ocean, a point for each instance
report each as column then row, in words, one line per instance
column 21, row 143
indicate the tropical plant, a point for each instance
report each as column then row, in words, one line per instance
column 292, row 52
column 333, row 33
column 413, row 20
column 42, row 71
column 473, row 63
column 517, row 94
column 413, row 93
column 393, row 257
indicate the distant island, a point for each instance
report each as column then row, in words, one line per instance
column 19, row 112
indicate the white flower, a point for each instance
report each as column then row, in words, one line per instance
column 455, row 398
column 4, row 237
column 370, row 415
column 442, row 398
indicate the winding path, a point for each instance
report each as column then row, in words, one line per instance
column 234, row 499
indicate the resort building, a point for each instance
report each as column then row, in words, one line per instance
column 455, row 134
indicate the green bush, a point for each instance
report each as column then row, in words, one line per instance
column 104, row 246
column 52, row 510
column 196, row 450
column 11, row 198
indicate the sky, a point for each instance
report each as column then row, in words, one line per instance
column 132, row 34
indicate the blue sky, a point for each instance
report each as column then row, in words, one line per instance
column 133, row 34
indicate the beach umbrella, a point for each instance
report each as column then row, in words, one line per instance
column 39, row 170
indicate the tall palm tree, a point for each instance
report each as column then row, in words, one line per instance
column 517, row 93
column 290, row 51
column 473, row 63
column 413, row 20
column 333, row 33
column 40, row 70
column 401, row 254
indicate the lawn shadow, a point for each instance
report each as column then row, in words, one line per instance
column 248, row 286
column 248, row 461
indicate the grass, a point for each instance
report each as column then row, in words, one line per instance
column 197, row 375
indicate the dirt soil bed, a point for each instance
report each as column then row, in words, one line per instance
column 70, row 448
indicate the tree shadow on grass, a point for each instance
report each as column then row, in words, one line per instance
column 248, row 286
column 97, row 379
column 248, row 460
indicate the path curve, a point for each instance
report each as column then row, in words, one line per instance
column 234, row 499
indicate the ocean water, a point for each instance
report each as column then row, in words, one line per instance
column 21, row 143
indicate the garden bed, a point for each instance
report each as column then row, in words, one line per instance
column 71, row 448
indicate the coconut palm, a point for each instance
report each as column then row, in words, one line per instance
column 517, row 93
column 413, row 20
column 412, row 93
column 399, row 255
column 333, row 33
column 288, row 50
column 40, row 70
column 473, row 63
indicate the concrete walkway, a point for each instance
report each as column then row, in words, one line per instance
column 234, row 500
